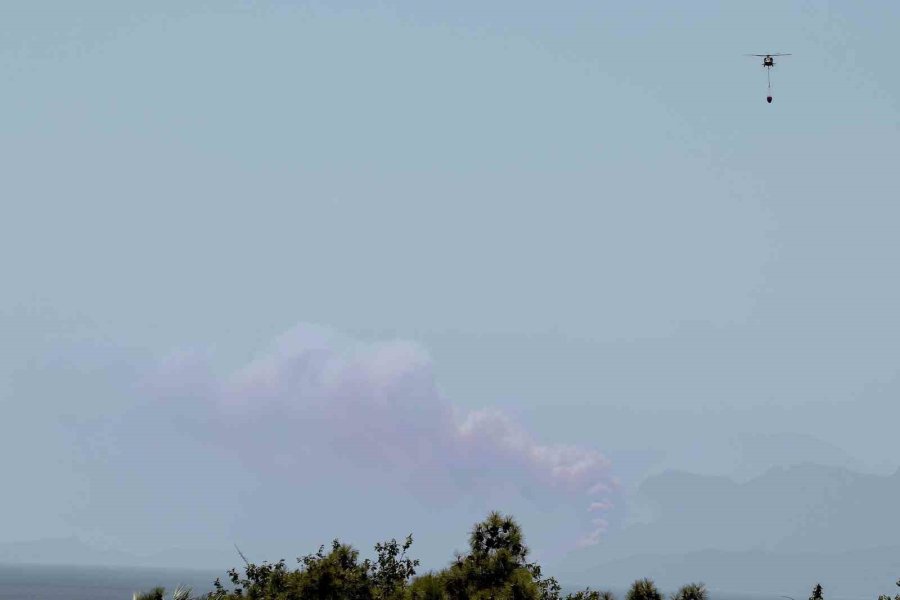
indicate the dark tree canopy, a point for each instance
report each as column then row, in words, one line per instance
column 495, row 567
column 644, row 589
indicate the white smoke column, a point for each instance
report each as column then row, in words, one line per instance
column 375, row 405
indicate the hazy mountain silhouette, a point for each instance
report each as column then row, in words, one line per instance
column 758, row 453
column 772, row 526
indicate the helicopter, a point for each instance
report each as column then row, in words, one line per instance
column 768, row 63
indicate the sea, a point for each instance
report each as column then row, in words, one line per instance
column 45, row 582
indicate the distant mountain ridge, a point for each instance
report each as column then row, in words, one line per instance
column 759, row 452
column 796, row 513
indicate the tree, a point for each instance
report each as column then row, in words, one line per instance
column 589, row 594
column 817, row 593
column 157, row 593
column 263, row 581
column 427, row 587
column 691, row 591
column 392, row 569
column 548, row 587
column 644, row 589
column 337, row 575
column 495, row 567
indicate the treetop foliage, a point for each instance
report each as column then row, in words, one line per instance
column 691, row 591
column 644, row 589
column 495, row 567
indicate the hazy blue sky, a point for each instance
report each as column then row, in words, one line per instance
column 556, row 233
